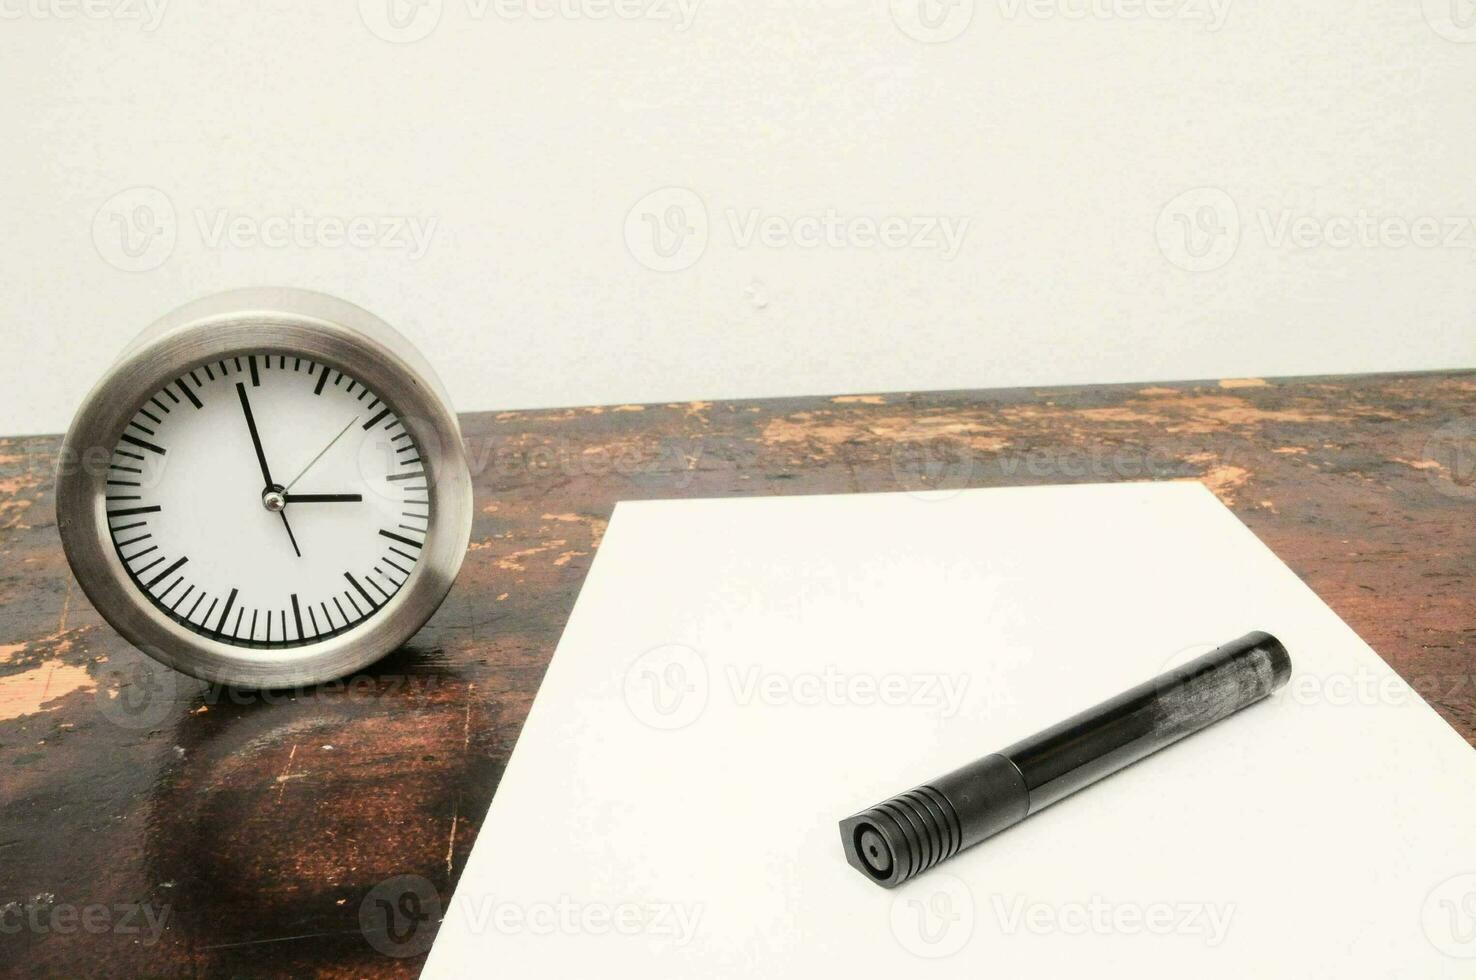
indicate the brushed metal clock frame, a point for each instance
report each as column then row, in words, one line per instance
column 296, row 323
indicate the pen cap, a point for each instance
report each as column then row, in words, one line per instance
column 908, row 834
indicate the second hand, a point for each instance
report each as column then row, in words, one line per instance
column 333, row 442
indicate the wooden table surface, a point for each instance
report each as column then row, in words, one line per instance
column 152, row 825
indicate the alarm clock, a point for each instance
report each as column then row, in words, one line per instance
column 268, row 489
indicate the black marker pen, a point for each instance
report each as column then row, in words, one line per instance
column 908, row 834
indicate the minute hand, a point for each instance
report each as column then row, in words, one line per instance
column 266, row 471
column 322, row 498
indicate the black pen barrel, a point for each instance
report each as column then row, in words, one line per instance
column 1116, row 733
column 910, row 833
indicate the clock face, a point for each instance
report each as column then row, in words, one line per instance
column 268, row 500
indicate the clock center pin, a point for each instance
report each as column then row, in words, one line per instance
column 274, row 499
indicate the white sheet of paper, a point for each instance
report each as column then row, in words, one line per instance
column 739, row 675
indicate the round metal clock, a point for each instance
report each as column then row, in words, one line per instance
column 268, row 489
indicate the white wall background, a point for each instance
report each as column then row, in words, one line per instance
column 1153, row 189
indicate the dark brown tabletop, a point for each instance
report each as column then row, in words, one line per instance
column 153, row 825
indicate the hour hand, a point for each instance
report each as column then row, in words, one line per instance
column 322, row 498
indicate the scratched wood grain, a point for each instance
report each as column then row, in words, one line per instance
column 151, row 825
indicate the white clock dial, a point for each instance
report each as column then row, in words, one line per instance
column 266, row 500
